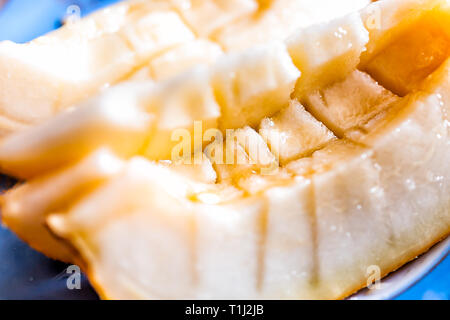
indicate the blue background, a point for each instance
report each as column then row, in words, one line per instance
column 24, row 273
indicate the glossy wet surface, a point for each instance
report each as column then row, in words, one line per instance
column 26, row 274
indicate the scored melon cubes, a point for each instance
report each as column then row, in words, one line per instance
column 27, row 205
column 247, row 87
column 98, row 23
column 179, row 105
column 347, row 194
column 202, row 172
column 204, row 17
column 36, row 78
column 277, row 19
column 254, row 84
column 239, row 241
column 327, row 52
column 76, row 61
column 349, row 103
column 254, row 146
column 115, row 119
column 133, row 203
column 437, row 83
column 386, row 21
column 418, row 130
column 230, row 160
column 293, row 133
column 178, row 60
column 241, row 153
column 42, row 77
column 133, row 213
column 155, row 32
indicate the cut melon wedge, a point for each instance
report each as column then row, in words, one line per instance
column 27, row 205
column 362, row 177
column 51, row 73
column 349, row 193
column 61, row 69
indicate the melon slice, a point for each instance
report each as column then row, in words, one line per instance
column 375, row 193
column 160, row 230
column 27, row 205
column 54, row 72
column 122, row 117
column 353, row 192
column 392, row 65
column 116, row 120
column 75, row 62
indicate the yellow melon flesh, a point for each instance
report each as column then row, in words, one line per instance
column 209, row 97
column 202, row 172
column 385, row 187
column 255, row 147
column 204, row 17
column 374, row 194
column 392, row 66
column 49, row 74
column 179, row 59
column 349, row 103
column 195, row 236
column 27, row 205
column 69, row 65
column 241, row 153
column 69, row 136
column 437, row 83
column 278, row 19
column 176, row 104
column 327, row 52
column 293, row 133
column 253, row 85
column 155, row 32
column 386, row 21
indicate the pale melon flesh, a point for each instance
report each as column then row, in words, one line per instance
column 136, row 39
column 339, row 164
